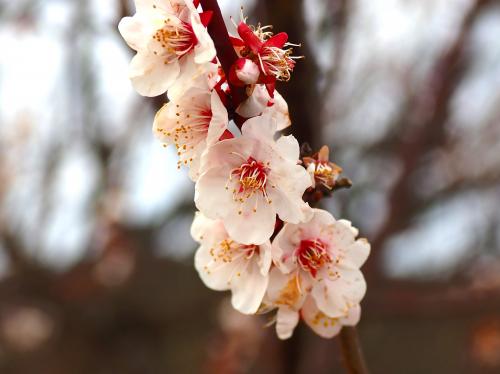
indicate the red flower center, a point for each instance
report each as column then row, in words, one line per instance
column 175, row 39
column 252, row 177
column 312, row 255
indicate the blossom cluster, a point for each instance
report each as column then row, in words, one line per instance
column 257, row 236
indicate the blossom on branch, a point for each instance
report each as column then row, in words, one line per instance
column 322, row 171
column 271, row 53
column 224, row 264
column 192, row 123
column 246, row 181
column 171, row 41
column 290, row 294
column 251, row 186
column 325, row 255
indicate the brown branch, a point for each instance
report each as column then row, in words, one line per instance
column 351, row 351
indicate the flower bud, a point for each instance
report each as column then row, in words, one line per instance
column 322, row 171
column 243, row 72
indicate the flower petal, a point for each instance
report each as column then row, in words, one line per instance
column 248, row 226
column 284, row 246
column 277, row 40
column 249, row 288
column 261, row 128
column 204, row 50
column 286, row 321
column 150, row 75
column 289, row 147
column 287, row 289
column 358, row 252
column 353, row 317
column 249, row 37
column 265, row 261
column 336, row 297
column 134, row 31
column 219, row 121
column 279, row 111
column 290, row 182
column 255, row 104
column 210, row 197
column 216, row 274
column 190, row 75
column 200, row 226
column 320, row 323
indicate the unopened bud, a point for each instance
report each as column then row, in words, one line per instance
column 243, row 72
column 322, row 171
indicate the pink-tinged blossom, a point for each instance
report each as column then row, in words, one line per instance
column 290, row 295
column 192, row 123
column 321, row 170
column 171, row 41
column 224, row 264
column 325, row 254
column 247, row 180
column 260, row 102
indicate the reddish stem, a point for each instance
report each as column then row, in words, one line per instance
column 225, row 51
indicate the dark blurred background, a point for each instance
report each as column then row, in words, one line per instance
column 96, row 271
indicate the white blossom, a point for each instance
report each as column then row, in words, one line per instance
column 224, row 264
column 192, row 123
column 171, row 42
column 326, row 256
column 290, row 295
column 247, row 180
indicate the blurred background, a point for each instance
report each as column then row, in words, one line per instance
column 96, row 271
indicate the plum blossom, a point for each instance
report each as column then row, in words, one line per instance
column 224, row 264
column 287, row 293
column 171, row 42
column 268, row 51
column 250, row 187
column 290, row 294
column 260, row 102
column 323, row 325
column 247, row 180
column 192, row 123
column 325, row 256
column 321, row 170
